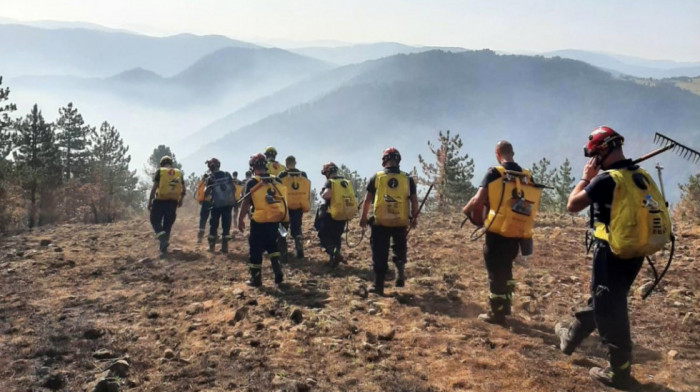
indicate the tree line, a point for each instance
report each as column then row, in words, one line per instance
column 62, row 170
column 451, row 172
column 68, row 170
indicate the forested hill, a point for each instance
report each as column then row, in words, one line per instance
column 544, row 106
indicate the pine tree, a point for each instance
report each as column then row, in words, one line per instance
column 541, row 174
column 115, row 183
column 359, row 183
column 154, row 160
column 563, row 185
column 313, row 199
column 689, row 206
column 451, row 173
column 6, row 169
column 5, row 123
column 192, row 181
column 72, row 139
column 37, row 160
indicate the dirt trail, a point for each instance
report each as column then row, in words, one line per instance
column 74, row 299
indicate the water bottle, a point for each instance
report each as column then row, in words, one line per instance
column 650, row 203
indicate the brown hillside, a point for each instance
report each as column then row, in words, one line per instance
column 76, row 298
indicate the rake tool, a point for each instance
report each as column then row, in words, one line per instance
column 670, row 144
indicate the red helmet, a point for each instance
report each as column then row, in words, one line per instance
column 213, row 163
column 329, row 168
column 257, row 161
column 600, row 139
column 391, row 154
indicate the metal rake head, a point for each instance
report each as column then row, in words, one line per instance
column 680, row 149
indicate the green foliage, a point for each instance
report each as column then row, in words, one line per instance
column 313, row 199
column 359, row 183
column 115, row 186
column 689, row 206
column 5, row 123
column 542, row 174
column 65, row 172
column 72, row 140
column 37, row 160
column 192, row 181
column 560, row 180
column 563, row 185
column 154, row 160
column 451, row 173
column 6, row 169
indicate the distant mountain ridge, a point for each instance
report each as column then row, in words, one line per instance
column 57, row 24
column 632, row 66
column 544, row 106
column 92, row 53
column 232, row 74
column 353, row 54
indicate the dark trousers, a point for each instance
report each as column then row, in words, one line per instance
column 607, row 310
column 223, row 214
column 163, row 214
column 204, row 214
column 330, row 233
column 263, row 238
column 295, row 222
column 381, row 239
column 499, row 253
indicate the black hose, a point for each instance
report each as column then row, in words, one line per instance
column 657, row 278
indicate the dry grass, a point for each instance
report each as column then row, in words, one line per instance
column 106, row 278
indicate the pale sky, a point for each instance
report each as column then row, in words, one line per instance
column 654, row 29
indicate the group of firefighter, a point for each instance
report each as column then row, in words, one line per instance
column 629, row 220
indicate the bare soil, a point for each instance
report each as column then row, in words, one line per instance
column 76, row 298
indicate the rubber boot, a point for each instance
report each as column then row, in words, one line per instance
column 200, row 236
column 255, row 276
column 224, row 243
column 282, row 246
column 400, row 275
column 510, row 288
column 570, row 337
column 496, row 315
column 212, row 242
column 620, row 378
column 277, row 269
column 162, row 238
column 378, row 285
column 299, row 247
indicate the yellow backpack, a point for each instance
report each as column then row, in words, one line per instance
column 269, row 200
column 343, row 204
column 639, row 221
column 275, row 168
column 513, row 203
column 201, row 189
column 238, row 190
column 391, row 199
column 170, row 184
column 298, row 191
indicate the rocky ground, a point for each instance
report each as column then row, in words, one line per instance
column 91, row 308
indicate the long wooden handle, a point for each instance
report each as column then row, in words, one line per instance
column 653, row 153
